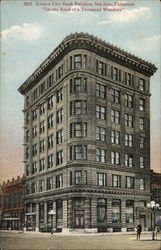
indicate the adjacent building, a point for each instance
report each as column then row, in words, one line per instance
column 87, row 138
column 12, row 204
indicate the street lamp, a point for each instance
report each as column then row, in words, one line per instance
column 52, row 213
column 152, row 206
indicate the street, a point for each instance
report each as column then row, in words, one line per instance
column 45, row 241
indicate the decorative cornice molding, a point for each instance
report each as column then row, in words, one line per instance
column 91, row 43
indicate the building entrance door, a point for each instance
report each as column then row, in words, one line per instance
column 79, row 218
column 143, row 221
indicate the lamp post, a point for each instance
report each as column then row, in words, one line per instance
column 152, row 206
column 52, row 213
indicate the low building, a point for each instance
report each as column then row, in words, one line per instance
column 156, row 194
column 12, row 204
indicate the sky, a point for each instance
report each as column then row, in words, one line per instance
column 30, row 31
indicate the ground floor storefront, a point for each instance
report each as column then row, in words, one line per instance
column 13, row 220
column 91, row 213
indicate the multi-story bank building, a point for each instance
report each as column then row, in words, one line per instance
column 87, row 138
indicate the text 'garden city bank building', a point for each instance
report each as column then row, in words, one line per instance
column 87, row 138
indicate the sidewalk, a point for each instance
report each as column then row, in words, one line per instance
column 72, row 233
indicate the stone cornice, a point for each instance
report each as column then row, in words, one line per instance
column 93, row 44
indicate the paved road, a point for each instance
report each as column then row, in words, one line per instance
column 45, row 241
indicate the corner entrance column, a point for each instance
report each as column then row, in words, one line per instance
column 37, row 217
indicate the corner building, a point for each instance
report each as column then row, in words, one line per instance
column 87, row 138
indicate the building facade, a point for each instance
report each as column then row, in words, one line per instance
column 12, row 204
column 87, row 138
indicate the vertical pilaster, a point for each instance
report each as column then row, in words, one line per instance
column 65, row 215
column 87, row 213
column 54, row 216
column 37, row 217
column 109, row 214
column 70, row 214
column 123, row 215
column 45, row 214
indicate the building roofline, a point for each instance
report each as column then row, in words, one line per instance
column 110, row 51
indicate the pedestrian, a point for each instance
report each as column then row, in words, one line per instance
column 139, row 230
column 156, row 231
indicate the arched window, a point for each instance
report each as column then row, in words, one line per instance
column 101, row 210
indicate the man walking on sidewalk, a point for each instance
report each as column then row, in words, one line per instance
column 139, row 230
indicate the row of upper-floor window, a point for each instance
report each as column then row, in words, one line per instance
column 80, row 62
column 13, row 200
column 79, row 130
column 79, row 177
column 80, row 84
column 79, row 152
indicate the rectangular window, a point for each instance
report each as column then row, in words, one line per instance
column 100, row 91
column 59, row 157
column 34, row 114
column 34, row 149
column 42, row 88
column 142, row 84
column 80, row 108
column 142, row 105
column 115, row 158
column 141, row 123
column 59, row 95
column 50, row 102
column 35, row 94
column 42, row 108
column 42, row 165
column 50, row 183
column 115, row 94
column 42, row 127
column 100, row 155
column 142, row 142
column 59, row 115
column 33, row 187
column 77, row 61
column 27, row 170
column 80, row 85
column 59, row 137
column 129, row 182
column 128, row 160
column 116, row 181
column 49, row 208
column 128, row 120
column 116, row 211
column 59, row 181
column 101, row 179
column 129, row 80
column 27, row 153
column 84, row 61
column 80, row 152
column 100, row 112
column 59, row 72
column 50, row 141
column 78, row 177
column 141, row 162
column 100, row 67
column 115, row 74
column 50, row 80
column 34, row 167
column 34, row 132
column 41, row 186
column 128, row 100
column 78, row 130
column 115, row 137
column 42, row 146
column 50, row 161
column 129, row 140
column 129, row 211
column 100, row 134
column 27, row 118
column 50, row 121
column 115, row 116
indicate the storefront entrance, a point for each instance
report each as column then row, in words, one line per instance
column 79, row 218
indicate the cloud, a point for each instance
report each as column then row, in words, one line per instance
column 24, row 32
column 128, row 16
column 145, row 43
